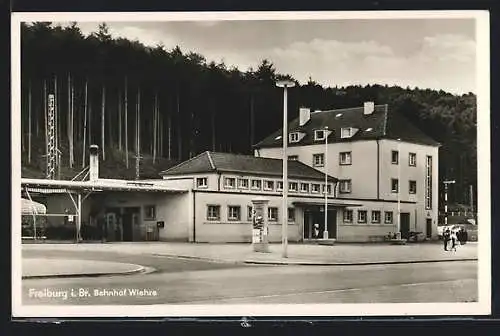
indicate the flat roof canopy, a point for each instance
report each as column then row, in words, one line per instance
column 50, row 186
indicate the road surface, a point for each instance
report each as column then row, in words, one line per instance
column 184, row 281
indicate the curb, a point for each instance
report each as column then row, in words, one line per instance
column 368, row 263
column 140, row 269
column 312, row 263
column 221, row 261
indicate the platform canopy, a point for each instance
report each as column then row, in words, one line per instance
column 31, row 207
column 46, row 186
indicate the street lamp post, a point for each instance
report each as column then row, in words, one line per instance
column 325, row 232
column 446, row 183
column 285, row 84
column 398, row 229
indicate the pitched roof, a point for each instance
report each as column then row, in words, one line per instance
column 380, row 124
column 226, row 162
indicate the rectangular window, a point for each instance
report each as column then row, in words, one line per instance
column 395, row 157
column 272, row 214
column 428, row 183
column 149, row 212
column 318, row 160
column 319, row 135
column 394, row 185
column 375, row 216
column 229, row 182
column 347, row 215
column 201, row 182
column 412, row 159
column 345, row 186
column 213, row 212
column 315, row 187
column 329, row 189
column 249, row 213
column 279, row 186
column 233, row 213
column 293, row 158
column 291, row 214
column 361, row 216
column 388, row 217
column 304, row 187
column 268, row 185
column 345, row 158
column 243, row 183
column 256, row 184
column 346, row 132
column 293, row 186
column 412, row 188
column 294, row 137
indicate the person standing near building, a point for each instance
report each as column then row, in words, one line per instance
column 316, row 230
column 453, row 238
column 446, row 238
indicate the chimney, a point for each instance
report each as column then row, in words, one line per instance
column 304, row 115
column 369, row 108
column 94, row 163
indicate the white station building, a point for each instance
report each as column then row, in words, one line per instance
column 377, row 164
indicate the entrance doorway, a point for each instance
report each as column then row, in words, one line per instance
column 131, row 223
column 405, row 225
column 113, row 226
column 428, row 230
column 314, row 224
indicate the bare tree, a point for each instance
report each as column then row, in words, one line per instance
column 85, row 123
column 70, row 120
column 103, row 106
column 120, row 120
column 29, row 121
column 126, row 124
column 138, row 134
column 155, row 127
column 169, row 121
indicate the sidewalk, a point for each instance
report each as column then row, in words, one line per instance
column 340, row 254
column 59, row 268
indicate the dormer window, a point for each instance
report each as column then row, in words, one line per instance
column 294, row 137
column 346, row 132
column 319, row 135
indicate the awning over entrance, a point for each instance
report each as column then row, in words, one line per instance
column 321, row 205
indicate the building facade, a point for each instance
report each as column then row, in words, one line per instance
column 224, row 185
column 354, row 175
column 381, row 161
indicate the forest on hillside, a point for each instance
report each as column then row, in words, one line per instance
column 170, row 105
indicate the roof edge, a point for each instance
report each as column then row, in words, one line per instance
column 165, row 172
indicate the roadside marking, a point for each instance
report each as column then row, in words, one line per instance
column 329, row 291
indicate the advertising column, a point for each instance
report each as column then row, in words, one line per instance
column 260, row 226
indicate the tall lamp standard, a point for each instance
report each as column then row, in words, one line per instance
column 398, row 230
column 325, row 232
column 285, row 84
column 446, row 183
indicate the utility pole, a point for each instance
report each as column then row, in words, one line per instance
column 446, row 183
column 325, row 231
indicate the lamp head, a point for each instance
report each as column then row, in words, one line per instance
column 285, row 83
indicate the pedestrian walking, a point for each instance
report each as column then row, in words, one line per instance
column 446, row 238
column 454, row 240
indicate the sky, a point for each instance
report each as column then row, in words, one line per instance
column 430, row 53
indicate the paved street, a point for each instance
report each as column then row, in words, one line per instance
column 184, row 281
